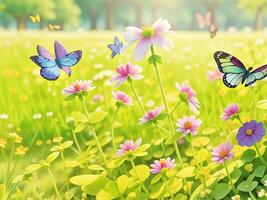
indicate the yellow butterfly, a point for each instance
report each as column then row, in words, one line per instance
column 53, row 27
column 35, row 19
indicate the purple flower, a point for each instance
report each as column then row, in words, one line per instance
column 122, row 98
column 250, row 133
column 129, row 146
column 222, row 153
column 151, row 115
column 230, row 111
column 161, row 164
column 127, row 71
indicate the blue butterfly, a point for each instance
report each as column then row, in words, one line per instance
column 50, row 67
column 116, row 47
column 235, row 72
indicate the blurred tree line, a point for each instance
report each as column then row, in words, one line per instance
column 116, row 14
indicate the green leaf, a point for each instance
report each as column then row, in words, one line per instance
column 55, row 148
column 112, row 189
column 80, row 127
column 186, row 172
column 141, row 172
column 83, row 180
column 202, row 155
column 3, row 192
column 96, row 168
column 33, row 168
column 140, row 151
column 173, row 138
column 162, row 116
column 156, row 178
column 154, row 59
column 158, row 191
column 104, row 195
column 79, row 117
column 247, row 186
column 122, row 183
column 66, row 144
column 248, row 155
column 69, row 98
column 235, row 175
column 53, row 156
column 97, row 117
column 94, row 187
column 259, row 171
column 116, row 162
column 262, row 104
column 221, row 190
column 201, row 141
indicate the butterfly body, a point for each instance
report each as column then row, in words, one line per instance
column 50, row 66
column 235, row 72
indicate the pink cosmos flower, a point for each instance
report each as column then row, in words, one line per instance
column 151, row 115
column 148, row 36
column 230, row 111
column 188, row 125
column 214, row 75
column 122, row 98
column 129, row 146
column 127, row 71
column 78, row 86
column 187, row 94
column 162, row 164
column 222, row 153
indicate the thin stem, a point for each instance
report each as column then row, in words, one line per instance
column 178, row 154
column 160, row 127
column 175, row 107
column 252, row 196
column 54, row 183
column 229, row 178
column 239, row 119
column 142, row 185
column 137, row 98
column 35, row 191
column 167, row 186
column 112, row 128
column 259, row 154
column 94, row 134
column 76, row 142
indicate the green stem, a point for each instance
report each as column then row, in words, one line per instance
column 54, row 183
column 93, row 132
column 178, row 154
column 239, row 119
column 167, row 187
column 142, row 184
column 112, row 129
column 137, row 98
column 175, row 107
column 230, row 179
column 35, row 191
column 76, row 142
column 259, row 154
column 252, row 196
column 160, row 127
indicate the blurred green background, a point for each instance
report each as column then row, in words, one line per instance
column 115, row 14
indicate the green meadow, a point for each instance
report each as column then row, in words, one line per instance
column 35, row 109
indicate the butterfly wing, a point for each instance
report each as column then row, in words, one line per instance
column 213, row 30
column 208, row 19
column 38, row 18
column 232, row 68
column 200, row 20
column 70, row 59
column 60, row 51
column 49, row 69
column 114, row 50
column 44, row 53
column 256, row 75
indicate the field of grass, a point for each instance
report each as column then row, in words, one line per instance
column 35, row 109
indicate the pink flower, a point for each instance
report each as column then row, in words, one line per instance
column 187, row 94
column 161, row 164
column 148, row 36
column 151, row 115
column 129, row 146
column 97, row 98
column 222, row 153
column 122, row 98
column 188, row 125
column 214, row 75
column 78, row 86
column 230, row 111
column 127, row 71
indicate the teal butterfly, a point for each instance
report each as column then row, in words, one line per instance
column 235, row 72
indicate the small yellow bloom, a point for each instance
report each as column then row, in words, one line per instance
column 24, row 98
column 15, row 137
column 249, row 167
column 48, row 141
column 261, row 193
column 57, row 139
column 21, row 150
column 236, row 197
column 3, row 143
column 39, row 142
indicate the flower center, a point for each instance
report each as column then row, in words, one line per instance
column 249, row 132
column 223, row 153
column 148, row 32
column 188, row 125
column 77, row 87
